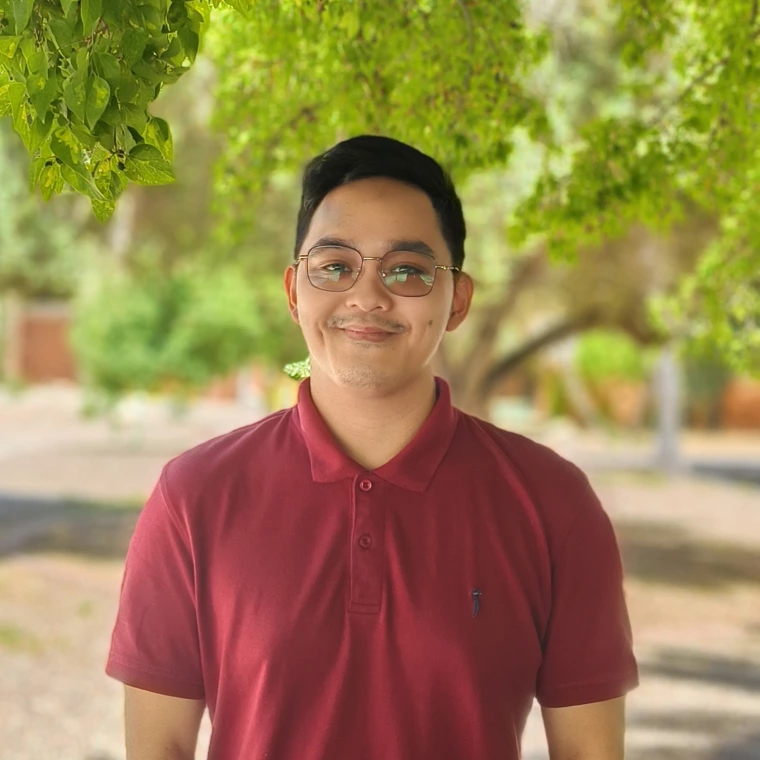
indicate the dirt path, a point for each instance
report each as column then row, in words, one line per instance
column 691, row 549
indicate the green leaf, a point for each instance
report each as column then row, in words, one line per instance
column 42, row 91
column 190, row 42
column 91, row 11
column 20, row 112
column 105, row 135
column 134, row 116
column 146, row 166
column 5, row 101
column 157, row 133
column 83, row 59
column 66, row 5
column 22, row 12
column 241, row 6
column 133, row 44
column 39, row 131
column 177, row 16
column 36, row 165
column 98, row 95
column 62, row 33
column 107, row 66
column 127, row 88
column 66, row 147
column 152, row 19
column 79, row 178
column 298, row 370
column 50, row 180
column 103, row 210
column 37, row 62
column 8, row 46
column 75, row 94
column 86, row 138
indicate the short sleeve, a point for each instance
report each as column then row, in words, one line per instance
column 155, row 642
column 588, row 646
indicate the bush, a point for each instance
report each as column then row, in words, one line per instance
column 166, row 333
column 603, row 355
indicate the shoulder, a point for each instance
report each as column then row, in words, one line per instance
column 213, row 463
column 558, row 490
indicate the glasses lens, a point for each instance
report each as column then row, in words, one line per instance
column 333, row 268
column 409, row 274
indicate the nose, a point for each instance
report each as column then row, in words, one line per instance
column 369, row 293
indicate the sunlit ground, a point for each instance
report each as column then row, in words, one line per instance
column 69, row 495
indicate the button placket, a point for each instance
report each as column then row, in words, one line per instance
column 367, row 547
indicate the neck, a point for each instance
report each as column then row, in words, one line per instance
column 373, row 428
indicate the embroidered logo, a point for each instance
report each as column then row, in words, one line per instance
column 475, row 594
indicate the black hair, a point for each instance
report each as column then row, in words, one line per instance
column 368, row 156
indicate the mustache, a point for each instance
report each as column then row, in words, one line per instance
column 378, row 324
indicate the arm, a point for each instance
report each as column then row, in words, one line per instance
column 586, row 732
column 159, row 727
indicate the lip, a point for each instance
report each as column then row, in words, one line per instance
column 368, row 334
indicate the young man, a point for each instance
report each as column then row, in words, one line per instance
column 373, row 574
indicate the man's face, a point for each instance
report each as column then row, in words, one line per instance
column 368, row 337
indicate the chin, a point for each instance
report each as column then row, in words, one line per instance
column 364, row 376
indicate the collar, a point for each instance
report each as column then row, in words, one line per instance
column 412, row 468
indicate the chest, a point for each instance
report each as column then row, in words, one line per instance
column 362, row 572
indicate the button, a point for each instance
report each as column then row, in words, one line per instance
column 366, row 485
column 365, row 541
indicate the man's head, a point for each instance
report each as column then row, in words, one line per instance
column 375, row 197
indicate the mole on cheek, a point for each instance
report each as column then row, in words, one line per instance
column 430, row 323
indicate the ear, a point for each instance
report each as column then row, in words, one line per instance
column 464, row 288
column 290, row 279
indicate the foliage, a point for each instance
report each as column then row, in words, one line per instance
column 173, row 333
column 77, row 77
column 603, row 355
column 458, row 78
column 298, row 370
column 41, row 251
column 682, row 133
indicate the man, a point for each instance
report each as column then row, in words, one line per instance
column 373, row 574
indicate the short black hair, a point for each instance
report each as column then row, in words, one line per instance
column 368, row 156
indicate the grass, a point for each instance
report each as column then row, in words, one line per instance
column 16, row 639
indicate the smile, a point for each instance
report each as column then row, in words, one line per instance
column 368, row 335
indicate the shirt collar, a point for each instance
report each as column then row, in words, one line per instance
column 412, row 468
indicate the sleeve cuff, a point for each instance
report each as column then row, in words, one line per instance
column 152, row 679
column 587, row 693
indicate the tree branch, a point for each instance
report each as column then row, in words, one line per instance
column 556, row 332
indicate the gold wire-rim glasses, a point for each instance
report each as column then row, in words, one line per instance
column 381, row 272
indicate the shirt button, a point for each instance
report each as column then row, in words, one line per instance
column 366, row 485
column 365, row 541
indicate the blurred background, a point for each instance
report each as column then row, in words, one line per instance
column 617, row 319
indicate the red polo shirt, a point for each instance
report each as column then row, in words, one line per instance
column 411, row 612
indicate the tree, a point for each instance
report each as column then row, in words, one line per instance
column 41, row 249
column 461, row 79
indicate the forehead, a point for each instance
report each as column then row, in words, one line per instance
column 372, row 211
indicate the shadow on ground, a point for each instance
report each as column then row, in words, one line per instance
column 53, row 525
column 662, row 553
column 688, row 665
column 728, row 737
column 722, row 733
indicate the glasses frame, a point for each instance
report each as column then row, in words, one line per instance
column 380, row 271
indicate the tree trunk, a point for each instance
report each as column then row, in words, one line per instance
column 477, row 400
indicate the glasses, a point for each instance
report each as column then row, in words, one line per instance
column 404, row 273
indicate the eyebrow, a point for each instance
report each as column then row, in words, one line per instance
column 403, row 244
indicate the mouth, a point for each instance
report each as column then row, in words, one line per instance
column 371, row 334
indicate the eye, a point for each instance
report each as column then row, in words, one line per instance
column 335, row 266
column 406, row 269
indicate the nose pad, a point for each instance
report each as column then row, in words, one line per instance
column 369, row 290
